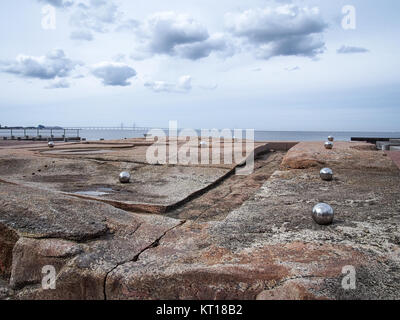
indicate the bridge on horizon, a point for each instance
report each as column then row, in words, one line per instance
column 113, row 128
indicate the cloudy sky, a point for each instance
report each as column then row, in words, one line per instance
column 272, row 65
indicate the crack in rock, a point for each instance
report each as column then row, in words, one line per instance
column 154, row 244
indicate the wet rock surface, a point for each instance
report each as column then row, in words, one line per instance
column 247, row 238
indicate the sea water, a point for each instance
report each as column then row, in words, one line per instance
column 258, row 135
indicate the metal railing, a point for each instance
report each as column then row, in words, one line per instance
column 38, row 134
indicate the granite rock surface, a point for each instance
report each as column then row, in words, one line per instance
column 266, row 246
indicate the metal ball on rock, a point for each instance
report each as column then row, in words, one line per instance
column 326, row 174
column 323, row 214
column 124, row 177
column 328, row 145
column 51, row 144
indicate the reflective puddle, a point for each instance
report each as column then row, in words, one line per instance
column 95, row 193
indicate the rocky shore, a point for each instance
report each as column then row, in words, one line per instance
column 197, row 231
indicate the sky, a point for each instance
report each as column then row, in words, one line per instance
column 267, row 65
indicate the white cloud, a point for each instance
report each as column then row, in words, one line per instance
column 175, row 34
column 58, row 3
column 85, row 35
column 160, row 86
column 54, row 64
column 166, row 30
column 286, row 30
column 59, row 84
column 113, row 73
column 349, row 49
column 128, row 25
column 95, row 15
column 215, row 43
column 120, row 57
column 183, row 85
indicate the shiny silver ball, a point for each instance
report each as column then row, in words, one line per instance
column 326, row 174
column 203, row 144
column 124, row 177
column 331, row 139
column 328, row 145
column 323, row 214
column 51, row 144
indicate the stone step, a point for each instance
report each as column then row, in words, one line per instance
column 385, row 145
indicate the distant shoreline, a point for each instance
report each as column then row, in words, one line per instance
column 259, row 135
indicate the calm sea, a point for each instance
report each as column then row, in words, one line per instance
column 259, row 135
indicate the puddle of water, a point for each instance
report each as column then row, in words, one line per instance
column 97, row 193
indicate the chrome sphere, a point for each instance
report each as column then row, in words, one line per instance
column 326, row 174
column 203, row 144
column 328, row 145
column 124, row 177
column 323, row 214
column 331, row 139
column 51, row 144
